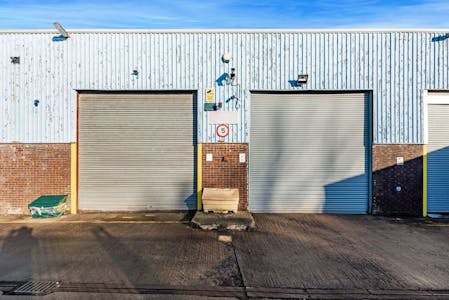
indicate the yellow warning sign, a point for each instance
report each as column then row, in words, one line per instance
column 210, row 95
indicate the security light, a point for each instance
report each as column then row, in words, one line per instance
column 61, row 30
column 227, row 57
column 232, row 73
column 230, row 78
column 302, row 79
column 15, row 60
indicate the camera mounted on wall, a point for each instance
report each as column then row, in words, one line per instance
column 230, row 78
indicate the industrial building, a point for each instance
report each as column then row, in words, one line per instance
column 306, row 121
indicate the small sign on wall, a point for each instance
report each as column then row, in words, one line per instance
column 208, row 156
column 209, row 106
column 210, row 95
column 223, row 117
column 222, row 130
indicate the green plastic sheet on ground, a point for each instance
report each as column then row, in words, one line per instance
column 48, row 206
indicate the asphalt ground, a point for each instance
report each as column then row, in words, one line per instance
column 287, row 256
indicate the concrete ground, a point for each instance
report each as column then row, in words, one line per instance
column 286, row 256
column 110, row 218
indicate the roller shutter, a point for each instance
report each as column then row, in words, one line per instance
column 136, row 152
column 309, row 153
column 438, row 159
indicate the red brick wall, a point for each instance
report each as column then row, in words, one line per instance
column 225, row 171
column 387, row 176
column 28, row 171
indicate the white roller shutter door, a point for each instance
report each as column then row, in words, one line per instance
column 136, row 152
column 309, row 153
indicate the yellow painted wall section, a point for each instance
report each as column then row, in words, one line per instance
column 199, row 180
column 424, row 185
column 73, row 178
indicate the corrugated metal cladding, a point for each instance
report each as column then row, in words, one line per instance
column 309, row 153
column 396, row 66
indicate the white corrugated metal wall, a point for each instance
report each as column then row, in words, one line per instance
column 396, row 66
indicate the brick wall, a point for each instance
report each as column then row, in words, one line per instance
column 387, row 176
column 225, row 171
column 28, row 171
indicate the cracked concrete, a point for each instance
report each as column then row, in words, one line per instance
column 241, row 220
column 287, row 254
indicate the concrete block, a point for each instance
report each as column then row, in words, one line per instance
column 238, row 221
column 215, row 199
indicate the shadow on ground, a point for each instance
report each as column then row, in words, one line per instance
column 285, row 251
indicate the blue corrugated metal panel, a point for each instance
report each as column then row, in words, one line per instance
column 396, row 66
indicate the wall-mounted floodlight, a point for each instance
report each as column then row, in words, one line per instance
column 227, row 57
column 61, row 30
column 302, row 79
column 15, row 60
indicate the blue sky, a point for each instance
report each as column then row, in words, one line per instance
column 157, row 14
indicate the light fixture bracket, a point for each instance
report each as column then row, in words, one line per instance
column 61, row 30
